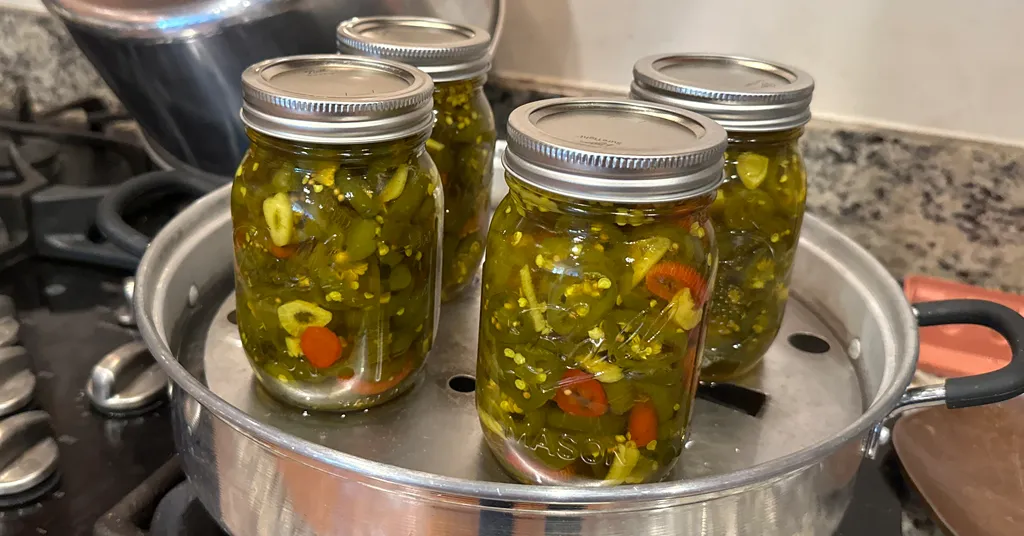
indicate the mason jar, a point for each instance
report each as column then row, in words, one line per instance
column 595, row 289
column 336, row 210
column 759, row 208
column 456, row 56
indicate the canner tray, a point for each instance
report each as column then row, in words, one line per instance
column 812, row 387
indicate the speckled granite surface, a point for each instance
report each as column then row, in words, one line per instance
column 37, row 51
column 921, row 204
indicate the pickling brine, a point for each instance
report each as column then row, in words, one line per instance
column 462, row 147
column 757, row 215
column 591, row 323
column 759, row 208
column 457, row 57
column 595, row 290
column 336, row 230
column 336, row 265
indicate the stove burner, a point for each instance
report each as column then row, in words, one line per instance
column 54, row 169
column 40, row 154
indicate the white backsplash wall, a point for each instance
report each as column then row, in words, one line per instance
column 945, row 66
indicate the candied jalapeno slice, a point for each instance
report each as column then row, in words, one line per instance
column 509, row 314
column 667, row 279
column 321, row 346
column 297, row 315
column 356, row 191
column 360, row 241
column 277, row 210
column 643, row 423
column 529, row 375
column 621, row 396
column 646, row 253
column 578, row 393
column 752, row 169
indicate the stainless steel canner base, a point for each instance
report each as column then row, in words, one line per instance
column 434, row 427
column 417, row 465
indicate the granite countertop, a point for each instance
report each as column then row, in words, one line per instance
column 921, row 204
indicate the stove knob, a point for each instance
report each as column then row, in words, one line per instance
column 9, row 325
column 127, row 381
column 28, row 457
column 17, row 382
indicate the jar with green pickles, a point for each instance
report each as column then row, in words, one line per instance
column 336, row 210
column 759, row 208
column 457, row 57
column 600, row 265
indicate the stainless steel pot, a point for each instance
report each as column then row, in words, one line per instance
column 417, row 464
column 177, row 66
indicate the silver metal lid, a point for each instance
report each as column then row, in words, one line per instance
column 333, row 99
column 618, row 150
column 444, row 50
column 742, row 94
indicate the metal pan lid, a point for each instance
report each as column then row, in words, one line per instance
column 740, row 93
column 444, row 50
column 333, row 99
column 617, row 150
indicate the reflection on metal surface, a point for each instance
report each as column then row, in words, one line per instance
column 125, row 314
column 28, row 454
column 499, row 188
column 126, row 381
column 17, row 382
column 914, row 398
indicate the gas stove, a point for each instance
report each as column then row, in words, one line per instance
column 85, row 442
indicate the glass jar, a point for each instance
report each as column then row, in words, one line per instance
column 336, row 210
column 595, row 290
column 759, row 208
column 456, row 56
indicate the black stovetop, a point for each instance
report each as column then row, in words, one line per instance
column 67, row 325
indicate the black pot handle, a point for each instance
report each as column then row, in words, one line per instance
column 991, row 387
column 111, row 209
